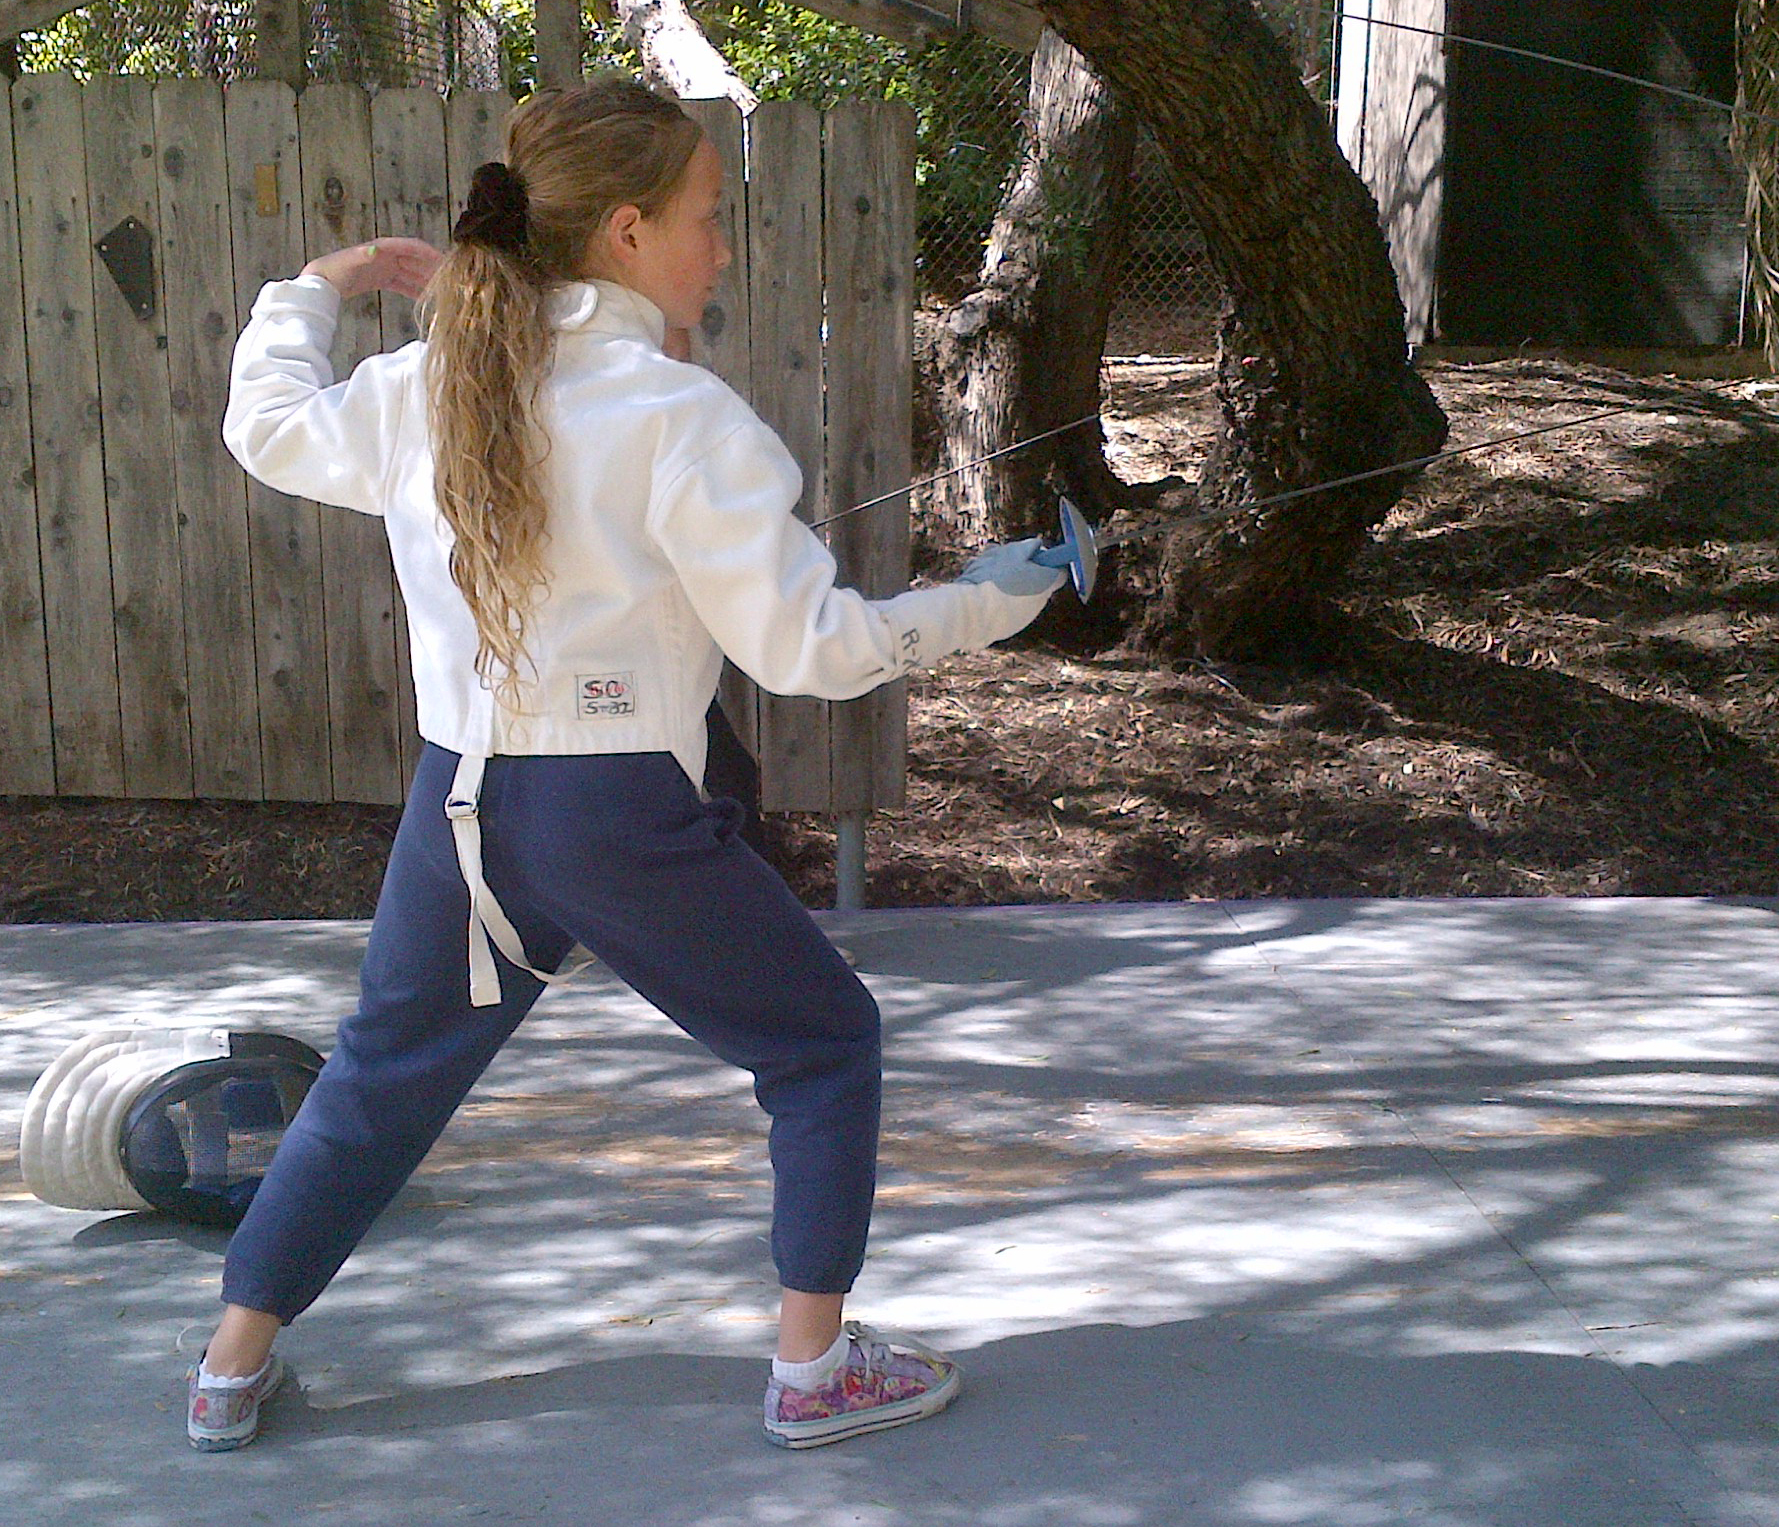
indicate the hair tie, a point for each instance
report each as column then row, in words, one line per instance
column 497, row 212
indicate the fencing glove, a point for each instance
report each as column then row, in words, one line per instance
column 1009, row 567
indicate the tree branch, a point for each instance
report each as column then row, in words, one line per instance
column 18, row 16
column 676, row 53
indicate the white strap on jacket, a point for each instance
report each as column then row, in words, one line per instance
column 486, row 919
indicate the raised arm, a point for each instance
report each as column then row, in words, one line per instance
column 287, row 422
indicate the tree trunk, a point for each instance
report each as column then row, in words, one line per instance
column 1021, row 355
column 1313, row 376
column 1756, row 140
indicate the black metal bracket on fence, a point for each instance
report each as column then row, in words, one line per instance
column 128, row 253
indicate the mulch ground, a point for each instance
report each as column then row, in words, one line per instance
column 1559, row 676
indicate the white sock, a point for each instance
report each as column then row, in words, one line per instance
column 817, row 1371
column 223, row 1381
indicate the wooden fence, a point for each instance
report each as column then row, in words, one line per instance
column 169, row 628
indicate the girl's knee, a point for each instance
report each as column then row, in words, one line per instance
column 862, row 1020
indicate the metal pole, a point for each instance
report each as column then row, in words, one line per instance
column 849, row 862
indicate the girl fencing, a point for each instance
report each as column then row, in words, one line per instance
column 583, row 525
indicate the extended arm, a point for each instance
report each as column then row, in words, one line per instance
column 764, row 584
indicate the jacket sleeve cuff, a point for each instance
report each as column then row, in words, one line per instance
column 932, row 623
column 313, row 295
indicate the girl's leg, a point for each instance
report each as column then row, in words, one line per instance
column 659, row 885
column 242, row 1342
column 807, row 1325
column 399, row 1068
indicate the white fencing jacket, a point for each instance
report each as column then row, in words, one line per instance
column 672, row 538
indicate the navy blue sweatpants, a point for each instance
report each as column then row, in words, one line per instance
column 619, row 853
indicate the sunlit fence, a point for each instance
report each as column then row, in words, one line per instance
column 967, row 93
column 175, row 629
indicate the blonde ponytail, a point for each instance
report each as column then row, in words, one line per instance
column 573, row 156
column 487, row 355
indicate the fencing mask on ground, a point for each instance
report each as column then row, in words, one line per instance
column 179, row 1120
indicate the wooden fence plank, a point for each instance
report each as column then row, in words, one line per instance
column 412, row 186
column 210, row 495
column 358, row 584
column 868, row 223
column 284, row 534
column 784, row 208
column 724, row 345
column 288, row 643
column 137, row 431
column 27, row 747
column 55, row 248
column 475, row 132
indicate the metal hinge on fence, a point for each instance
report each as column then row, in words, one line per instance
column 128, row 253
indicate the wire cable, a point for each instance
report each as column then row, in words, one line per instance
column 1568, row 63
column 927, row 482
column 1413, row 464
column 1418, row 463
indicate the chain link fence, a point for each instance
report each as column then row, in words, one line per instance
column 967, row 93
column 383, row 43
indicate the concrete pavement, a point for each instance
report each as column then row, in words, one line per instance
column 1333, row 1213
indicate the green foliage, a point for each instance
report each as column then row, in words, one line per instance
column 1306, row 28
column 1069, row 199
column 116, row 37
column 968, row 96
column 515, row 23
column 786, row 53
column 966, row 93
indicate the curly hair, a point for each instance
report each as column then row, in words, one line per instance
column 578, row 154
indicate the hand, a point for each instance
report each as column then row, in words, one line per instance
column 1010, row 568
column 383, row 265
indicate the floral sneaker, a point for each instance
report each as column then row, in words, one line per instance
column 220, row 1416
column 886, row 1379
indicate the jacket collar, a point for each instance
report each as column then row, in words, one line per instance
column 605, row 307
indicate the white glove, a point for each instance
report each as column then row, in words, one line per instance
column 1009, row 567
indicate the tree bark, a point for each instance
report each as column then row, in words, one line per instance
column 1756, row 141
column 1313, row 376
column 1021, row 354
column 676, row 53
